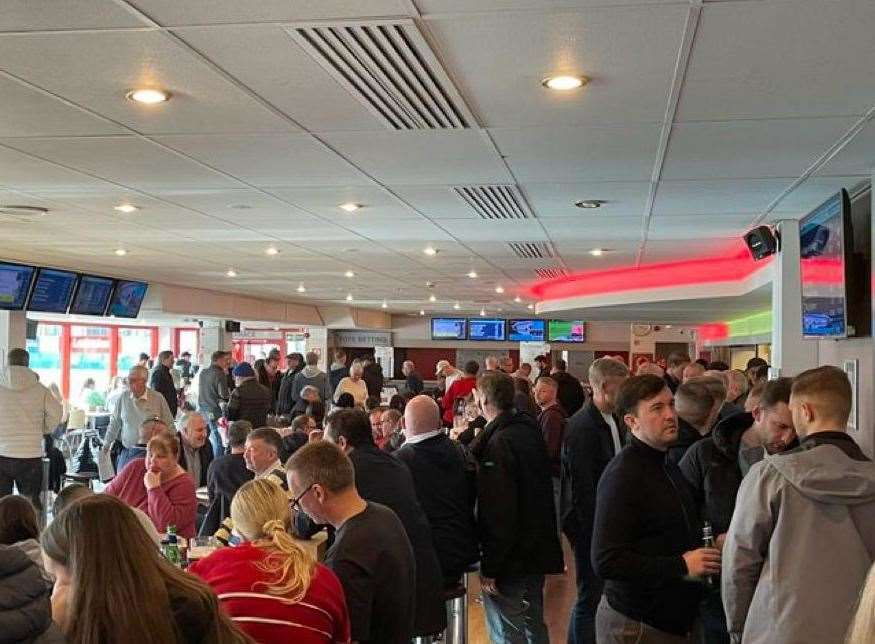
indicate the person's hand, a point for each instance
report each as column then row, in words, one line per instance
column 720, row 541
column 701, row 562
column 487, row 585
column 314, row 436
column 151, row 480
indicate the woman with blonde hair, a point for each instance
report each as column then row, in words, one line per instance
column 269, row 585
column 862, row 629
column 113, row 585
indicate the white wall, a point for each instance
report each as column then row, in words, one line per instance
column 834, row 352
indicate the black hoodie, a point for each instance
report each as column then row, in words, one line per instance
column 687, row 437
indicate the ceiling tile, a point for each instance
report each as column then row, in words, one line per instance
column 621, row 198
column 27, row 15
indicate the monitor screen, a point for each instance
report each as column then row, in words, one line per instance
column 527, row 330
column 822, row 253
column 448, row 328
column 15, row 281
column 53, row 291
column 127, row 299
column 486, row 329
column 92, row 295
column 566, row 331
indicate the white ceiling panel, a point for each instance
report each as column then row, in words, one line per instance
column 858, row 158
column 27, row 15
column 681, row 250
column 569, row 154
column 437, row 202
column 428, row 7
column 593, row 228
column 622, row 198
column 499, row 61
column 691, row 227
column 716, row 197
column 390, row 229
column 22, row 172
column 374, row 202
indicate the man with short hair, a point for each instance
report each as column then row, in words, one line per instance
column 414, row 382
column 551, row 421
column 692, row 370
column 593, row 436
column 29, row 413
column 383, row 479
column 491, row 363
column 431, row 456
column 506, row 364
column 803, row 536
column 524, row 372
column 250, row 400
column 542, row 364
column 311, row 376
column 371, row 554
column 185, row 366
column 213, row 393
column 149, row 428
column 261, row 453
column 752, row 367
column 570, row 392
column 195, row 453
column 461, row 388
column 446, row 374
column 736, row 387
column 675, row 364
column 309, row 394
column 338, row 370
column 272, row 366
column 515, row 515
column 718, row 382
column 697, row 407
column 162, row 380
column 131, row 408
column 647, row 531
column 372, row 374
column 225, row 475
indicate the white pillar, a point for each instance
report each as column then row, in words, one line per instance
column 165, row 338
column 13, row 332
column 213, row 337
column 791, row 353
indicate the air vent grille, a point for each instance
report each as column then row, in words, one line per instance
column 389, row 67
column 495, row 201
column 550, row 272
column 532, row 250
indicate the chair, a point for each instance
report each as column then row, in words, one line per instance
column 85, row 478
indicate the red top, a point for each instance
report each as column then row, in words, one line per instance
column 459, row 389
column 318, row 618
column 172, row 503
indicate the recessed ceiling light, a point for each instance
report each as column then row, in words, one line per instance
column 126, row 208
column 598, row 252
column 384, row 305
column 590, row 203
column 564, row 83
column 148, row 96
column 121, row 252
column 431, row 251
column 349, row 206
column 517, row 299
column 499, row 289
column 482, row 312
column 231, row 272
column 301, row 288
column 432, row 298
column 456, row 306
column 272, row 250
column 421, row 312
column 349, row 274
column 349, row 297
column 472, row 274
column 530, row 307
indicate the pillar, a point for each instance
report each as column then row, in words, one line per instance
column 213, row 337
column 13, row 332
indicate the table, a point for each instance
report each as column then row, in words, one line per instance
column 92, row 417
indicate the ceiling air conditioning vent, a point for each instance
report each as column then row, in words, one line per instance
column 495, row 201
column 550, row 272
column 389, row 67
column 532, row 250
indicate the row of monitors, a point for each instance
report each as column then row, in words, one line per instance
column 499, row 330
column 50, row 290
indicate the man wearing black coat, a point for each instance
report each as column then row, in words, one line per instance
column 225, row 475
column 162, row 381
column 594, row 435
column 697, row 406
column 383, row 479
column 373, row 377
column 250, row 400
column 571, row 394
column 195, row 452
column 516, row 518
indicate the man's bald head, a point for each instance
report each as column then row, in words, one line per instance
column 421, row 415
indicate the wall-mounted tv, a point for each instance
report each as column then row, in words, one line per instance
column 527, row 330
column 15, row 283
column 92, row 295
column 566, row 331
column 487, row 329
column 127, row 299
column 52, row 291
column 448, row 329
column 825, row 243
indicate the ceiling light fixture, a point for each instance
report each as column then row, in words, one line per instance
column 231, row 272
column 349, row 297
column 432, row 298
column 530, row 307
column 349, row 206
column 272, row 250
column 499, row 289
column 301, row 289
column 472, row 274
column 564, row 83
column 590, row 203
column 384, row 305
column 148, row 96
column 126, row 208
column 421, row 312
column 349, row 274
column 456, row 306
column 482, row 312
column 431, row 251
column 121, row 252
column 517, row 299
column 597, row 252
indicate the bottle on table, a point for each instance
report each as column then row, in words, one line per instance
column 708, row 542
column 171, row 550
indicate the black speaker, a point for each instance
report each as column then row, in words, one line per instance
column 232, row 327
column 761, row 242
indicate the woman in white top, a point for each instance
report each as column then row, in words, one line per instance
column 353, row 385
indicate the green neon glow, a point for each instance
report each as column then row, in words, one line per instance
column 756, row 324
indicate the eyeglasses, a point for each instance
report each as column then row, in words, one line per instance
column 296, row 502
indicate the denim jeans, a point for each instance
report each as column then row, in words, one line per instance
column 215, row 437
column 516, row 613
column 581, row 626
column 128, row 454
column 615, row 628
column 713, row 618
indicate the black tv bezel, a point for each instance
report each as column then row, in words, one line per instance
column 115, row 289
column 847, row 252
column 439, row 339
column 484, row 319
column 23, row 307
column 550, row 339
column 512, row 320
column 39, row 272
column 83, row 276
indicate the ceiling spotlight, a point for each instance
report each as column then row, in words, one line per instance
column 148, row 96
column 349, row 274
column 472, row 274
column 564, row 83
column 431, row 251
column 421, row 312
column 456, row 306
column 126, row 208
column 272, row 250
column 349, row 297
column 349, row 206
column 432, row 298
column 530, row 307
column 517, row 299
column 499, row 289
column 121, row 252
column 384, row 305
column 597, row 252
column 482, row 312
column 231, row 272
column 590, row 203
column 301, row 289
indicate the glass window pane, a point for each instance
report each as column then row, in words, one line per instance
column 89, row 365
column 132, row 342
column 45, row 353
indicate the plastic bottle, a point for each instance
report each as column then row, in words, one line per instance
column 708, row 542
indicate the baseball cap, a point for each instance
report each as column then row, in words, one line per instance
column 243, row 370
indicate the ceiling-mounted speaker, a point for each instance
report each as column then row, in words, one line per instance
column 232, row 327
column 761, row 242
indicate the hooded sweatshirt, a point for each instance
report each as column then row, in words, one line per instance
column 800, row 544
column 29, row 412
column 311, row 376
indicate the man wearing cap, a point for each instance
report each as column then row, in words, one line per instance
column 185, row 367
column 447, row 374
column 249, row 400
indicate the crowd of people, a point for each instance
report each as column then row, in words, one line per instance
column 700, row 504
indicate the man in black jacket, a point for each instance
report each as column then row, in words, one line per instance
column 571, row 395
column 431, row 456
column 381, row 478
column 647, row 531
column 697, row 406
column 195, row 453
column 250, row 400
column 373, row 377
column 593, row 437
column 225, row 475
column 675, row 364
column 516, row 519
column 162, row 380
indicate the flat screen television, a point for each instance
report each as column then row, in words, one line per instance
column 127, row 298
column 52, row 291
column 448, row 329
column 825, row 244
column 527, row 330
column 92, row 295
column 15, row 283
column 566, row 331
column 487, row 329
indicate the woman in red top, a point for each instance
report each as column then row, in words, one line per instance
column 158, row 486
column 271, row 588
column 461, row 388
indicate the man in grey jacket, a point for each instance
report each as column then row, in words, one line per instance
column 212, row 393
column 313, row 376
column 802, row 536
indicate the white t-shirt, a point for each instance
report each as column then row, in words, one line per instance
column 615, row 433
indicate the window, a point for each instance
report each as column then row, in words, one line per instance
column 45, row 353
column 89, row 362
column 133, row 342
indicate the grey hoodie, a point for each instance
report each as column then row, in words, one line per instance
column 311, row 375
column 800, row 544
column 27, row 411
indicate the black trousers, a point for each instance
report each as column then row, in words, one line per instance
column 25, row 473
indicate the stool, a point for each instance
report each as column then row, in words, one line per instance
column 456, row 598
column 82, row 477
